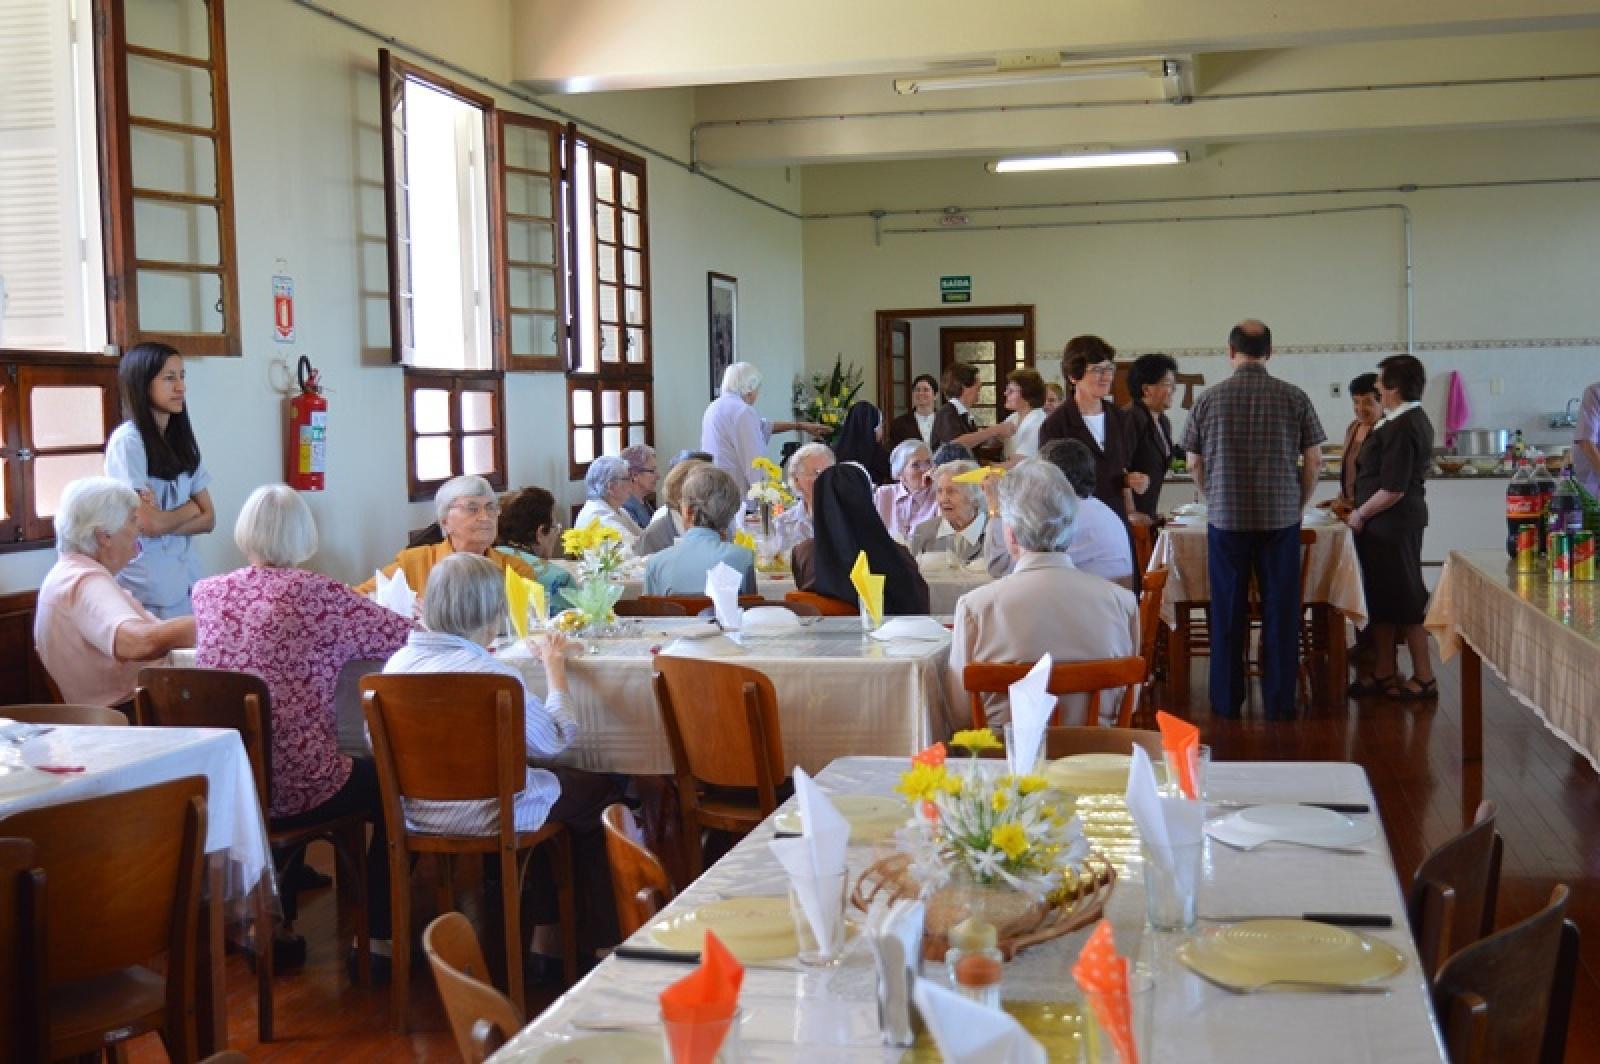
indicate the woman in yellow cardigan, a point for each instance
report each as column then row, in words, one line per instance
column 469, row 515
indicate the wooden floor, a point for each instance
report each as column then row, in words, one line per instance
column 1549, row 800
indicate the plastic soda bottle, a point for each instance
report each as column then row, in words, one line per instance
column 1523, row 507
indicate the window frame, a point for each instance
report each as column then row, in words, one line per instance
column 503, row 264
column 455, row 382
column 20, row 373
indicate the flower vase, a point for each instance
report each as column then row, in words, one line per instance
column 766, row 520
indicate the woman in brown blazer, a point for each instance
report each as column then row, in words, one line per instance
column 954, row 423
column 1088, row 414
column 916, row 423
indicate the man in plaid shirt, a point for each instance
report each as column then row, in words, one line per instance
column 1244, row 438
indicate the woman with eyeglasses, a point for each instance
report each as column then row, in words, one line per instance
column 1088, row 414
column 469, row 516
column 1151, row 382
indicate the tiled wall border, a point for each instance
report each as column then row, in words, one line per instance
column 1388, row 348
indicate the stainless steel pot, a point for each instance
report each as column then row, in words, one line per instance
column 1482, row 441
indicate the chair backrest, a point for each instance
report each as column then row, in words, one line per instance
column 824, row 605
column 481, row 1018
column 750, row 602
column 1507, row 997
column 650, row 606
column 43, row 714
column 1144, row 545
column 722, row 724
column 638, row 880
column 22, row 953
column 1453, row 894
column 1066, row 678
column 212, row 698
column 1150, row 593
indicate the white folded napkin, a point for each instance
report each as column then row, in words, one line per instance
column 1031, row 707
column 395, row 593
column 922, row 629
column 818, row 852
column 894, row 934
column 934, row 561
column 1162, row 822
column 769, row 620
column 722, row 587
column 710, row 645
column 969, row 1033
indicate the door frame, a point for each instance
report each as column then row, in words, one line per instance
column 885, row 370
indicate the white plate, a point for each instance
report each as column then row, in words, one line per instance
column 871, row 816
column 1293, row 823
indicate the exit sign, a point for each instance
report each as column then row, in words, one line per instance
column 955, row 289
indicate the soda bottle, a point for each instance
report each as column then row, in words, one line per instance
column 1522, row 508
column 1547, row 490
column 1566, row 506
column 1519, row 450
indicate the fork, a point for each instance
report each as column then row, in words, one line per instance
column 1248, row 847
column 1297, row 984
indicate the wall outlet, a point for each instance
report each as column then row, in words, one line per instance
column 1497, row 386
column 1334, row 390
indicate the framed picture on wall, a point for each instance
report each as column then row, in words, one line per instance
column 722, row 325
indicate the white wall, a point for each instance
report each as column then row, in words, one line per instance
column 307, row 162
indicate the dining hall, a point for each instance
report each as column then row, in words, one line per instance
column 698, row 532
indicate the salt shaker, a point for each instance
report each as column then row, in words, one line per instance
column 974, row 962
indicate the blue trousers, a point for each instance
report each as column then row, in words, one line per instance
column 1274, row 558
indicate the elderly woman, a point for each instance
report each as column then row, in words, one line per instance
column 1100, row 541
column 667, row 524
column 909, row 501
column 92, row 635
column 296, row 630
column 794, row 526
column 530, row 533
column 608, row 485
column 1151, row 383
column 860, row 440
column 734, row 434
column 959, row 525
column 462, row 614
column 845, row 529
column 468, row 513
column 641, row 459
column 1046, row 605
column 710, row 499
column 1367, row 406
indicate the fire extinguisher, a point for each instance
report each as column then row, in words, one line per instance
column 306, row 454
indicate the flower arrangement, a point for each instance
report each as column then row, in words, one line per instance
column 744, row 539
column 826, row 397
column 600, row 555
column 770, row 491
column 992, row 828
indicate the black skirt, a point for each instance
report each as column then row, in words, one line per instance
column 1391, row 575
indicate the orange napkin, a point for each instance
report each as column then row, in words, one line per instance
column 707, row 998
column 1102, row 975
column 1181, row 740
column 932, row 756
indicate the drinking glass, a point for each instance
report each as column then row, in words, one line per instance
column 1172, row 884
column 1199, row 766
column 1098, row 1047
column 830, row 892
column 1035, row 769
column 687, row 1041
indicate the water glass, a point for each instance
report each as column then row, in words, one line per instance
column 867, row 623
column 1172, row 884
column 1199, row 767
column 1098, row 1048
column 685, row 1041
column 831, row 893
column 1035, row 769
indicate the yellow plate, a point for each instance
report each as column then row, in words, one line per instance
column 871, row 816
column 1253, row 952
column 1089, row 773
column 621, row 1047
column 753, row 929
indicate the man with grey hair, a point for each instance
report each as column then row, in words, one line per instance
column 92, row 635
column 710, row 499
column 608, row 485
column 958, row 528
column 1046, row 605
column 734, row 434
column 794, row 525
column 641, row 459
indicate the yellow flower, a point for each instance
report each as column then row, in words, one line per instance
column 743, row 539
column 922, row 782
column 952, row 785
column 974, row 739
column 767, row 466
column 1031, row 784
column 1001, row 801
column 1010, row 840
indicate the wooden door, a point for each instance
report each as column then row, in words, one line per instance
column 994, row 351
column 894, row 369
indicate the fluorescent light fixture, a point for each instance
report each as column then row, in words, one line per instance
column 1091, row 161
column 988, row 79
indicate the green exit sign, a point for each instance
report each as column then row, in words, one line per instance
column 955, row 289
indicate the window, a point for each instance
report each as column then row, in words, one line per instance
column 454, row 426
column 54, row 422
column 532, row 242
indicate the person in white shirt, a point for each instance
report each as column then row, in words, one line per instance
column 794, row 525
column 731, row 431
column 1100, row 542
column 958, row 528
column 609, row 484
column 1025, row 399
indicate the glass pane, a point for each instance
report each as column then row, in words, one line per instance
column 611, row 439
column 582, row 408
column 610, row 344
column 173, row 162
column 53, row 472
column 604, row 182
column 534, row 335
column 637, row 352
column 605, row 263
column 169, row 92
column 605, row 223
column 175, row 232
column 531, row 288
column 635, row 299
column 66, row 417
column 636, row 434
column 610, row 407
column 986, row 395
column 170, row 25
column 630, row 190
column 433, row 458
column 477, row 454
column 430, row 410
column 636, row 406
column 630, row 229
column 632, row 270
column 530, row 241
column 180, row 302
column 527, row 148
column 582, row 446
column 608, row 302
column 528, row 194
column 477, row 412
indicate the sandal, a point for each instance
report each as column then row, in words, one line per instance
column 1425, row 691
column 1371, row 688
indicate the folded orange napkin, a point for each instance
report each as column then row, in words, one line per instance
column 1102, row 975
column 705, row 1002
column 932, row 756
column 1181, row 740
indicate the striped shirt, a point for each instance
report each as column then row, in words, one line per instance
column 547, row 731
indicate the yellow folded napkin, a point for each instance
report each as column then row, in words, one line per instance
column 520, row 593
column 979, row 475
column 869, row 586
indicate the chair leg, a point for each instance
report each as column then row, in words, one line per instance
column 444, row 899
column 350, row 859
column 264, row 960
column 511, row 915
column 400, row 936
column 566, row 904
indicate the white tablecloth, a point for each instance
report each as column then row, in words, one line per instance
column 123, row 759
column 831, row 1015
column 1334, row 577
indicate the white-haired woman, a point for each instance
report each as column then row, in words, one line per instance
column 1046, row 605
column 92, row 635
column 796, row 525
column 709, row 501
column 468, row 512
column 297, row 630
column 960, row 524
column 734, row 434
column 608, row 485
column 909, row 501
column 462, row 613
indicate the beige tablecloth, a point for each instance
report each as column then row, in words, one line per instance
column 1541, row 638
column 1335, row 576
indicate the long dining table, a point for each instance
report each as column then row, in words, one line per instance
column 829, row 1014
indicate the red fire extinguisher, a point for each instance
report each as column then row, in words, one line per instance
column 306, row 454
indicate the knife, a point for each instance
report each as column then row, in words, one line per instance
column 650, row 953
column 1377, row 921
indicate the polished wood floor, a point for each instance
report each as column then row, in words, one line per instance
column 1548, row 796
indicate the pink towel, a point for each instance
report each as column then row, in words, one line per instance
column 1457, row 411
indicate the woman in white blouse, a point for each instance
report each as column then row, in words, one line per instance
column 1025, row 399
column 609, row 484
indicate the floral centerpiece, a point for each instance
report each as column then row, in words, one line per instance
column 769, row 492
column 600, row 555
column 826, row 397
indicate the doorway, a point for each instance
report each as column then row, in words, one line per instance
column 995, row 339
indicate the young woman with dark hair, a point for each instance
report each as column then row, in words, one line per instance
column 154, row 452
column 916, row 423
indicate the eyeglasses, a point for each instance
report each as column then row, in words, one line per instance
column 475, row 510
column 645, row 472
column 1107, row 369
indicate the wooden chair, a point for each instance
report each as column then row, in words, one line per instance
column 722, row 727
column 1066, row 740
column 1066, row 678
column 649, row 606
column 240, row 701
column 639, row 883
column 123, row 887
column 1144, row 545
column 98, row 716
column 1507, row 998
column 458, row 737
column 825, row 606
column 481, row 1018
column 1453, row 894
column 22, row 957
column 1150, row 595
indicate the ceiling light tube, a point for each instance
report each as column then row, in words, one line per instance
column 986, row 79
column 1094, row 161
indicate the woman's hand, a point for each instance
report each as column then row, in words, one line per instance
column 1355, row 520
column 550, row 647
column 147, row 514
column 1138, row 483
column 1140, row 519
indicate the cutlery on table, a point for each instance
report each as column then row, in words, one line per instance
column 1369, row 920
column 1297, row 984
column 683, row 956
column 1247, row 847
column 1335, row 807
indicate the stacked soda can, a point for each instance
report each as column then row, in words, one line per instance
column 1559, row 551
column 1582, row 555
column 1527, row 549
